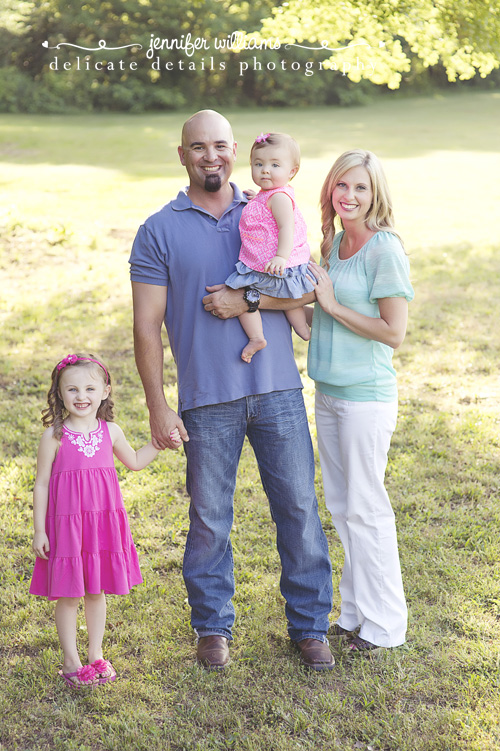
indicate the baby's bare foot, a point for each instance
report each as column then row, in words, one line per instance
column 253, row 346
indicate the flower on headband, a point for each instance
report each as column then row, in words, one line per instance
column 262, row 138
column 68, row 360
column 72, row 359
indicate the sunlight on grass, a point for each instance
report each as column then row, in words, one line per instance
column 99, row 172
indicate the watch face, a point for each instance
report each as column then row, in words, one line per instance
column 252, row 295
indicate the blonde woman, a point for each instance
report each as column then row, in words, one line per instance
column 362, row 289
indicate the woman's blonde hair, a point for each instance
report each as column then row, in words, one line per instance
column 56, row 413
column 379, row 216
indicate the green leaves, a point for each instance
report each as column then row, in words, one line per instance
column 464, row 37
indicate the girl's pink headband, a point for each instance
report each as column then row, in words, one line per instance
column 71, row 359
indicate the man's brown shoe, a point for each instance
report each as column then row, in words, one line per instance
column 213, row 652
column 315, row 654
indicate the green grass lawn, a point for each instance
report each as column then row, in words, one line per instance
column 74, row 189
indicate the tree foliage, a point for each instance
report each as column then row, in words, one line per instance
column 30, row 29
column 462, row 35
column 390, row 38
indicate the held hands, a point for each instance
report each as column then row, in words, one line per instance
column 175, row 436
column 276, row 265
column 41, row 545
column 323, row 287
column 167, row 429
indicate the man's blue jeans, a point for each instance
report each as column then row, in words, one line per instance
column 276, row 426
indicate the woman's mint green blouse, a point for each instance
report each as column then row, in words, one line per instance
column 343, row 364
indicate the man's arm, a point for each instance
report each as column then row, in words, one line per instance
column 229, row 303
column 150, row 303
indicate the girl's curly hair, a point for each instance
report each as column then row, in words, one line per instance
column 55, row 414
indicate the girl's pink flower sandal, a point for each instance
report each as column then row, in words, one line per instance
column 104, row 671
column 84, row 677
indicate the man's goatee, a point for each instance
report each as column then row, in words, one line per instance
column 213, row 183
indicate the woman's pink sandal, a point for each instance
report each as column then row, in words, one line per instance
column 102, row 667
column 86, row 677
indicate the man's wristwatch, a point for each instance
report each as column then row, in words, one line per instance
column 252, row 298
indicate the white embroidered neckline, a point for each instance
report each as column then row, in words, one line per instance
column 87, row 446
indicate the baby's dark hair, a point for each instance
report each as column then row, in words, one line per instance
column 55, row 414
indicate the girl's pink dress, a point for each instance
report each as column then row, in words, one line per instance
column 91, row 547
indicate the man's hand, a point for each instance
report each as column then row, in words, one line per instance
column 166, row 429
column 224, row 302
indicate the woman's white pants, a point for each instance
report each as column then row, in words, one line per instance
column 353, row 441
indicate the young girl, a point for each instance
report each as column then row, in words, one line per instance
column 362, row 289
column 82, row 538
column 274, row 251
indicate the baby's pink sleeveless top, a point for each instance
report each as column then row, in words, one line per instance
column 259, row 232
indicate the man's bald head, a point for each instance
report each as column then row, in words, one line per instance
column 203, row 120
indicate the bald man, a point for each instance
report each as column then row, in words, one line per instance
column 178, row 253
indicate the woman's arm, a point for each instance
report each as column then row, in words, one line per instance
column 46, row 454
column 389, row 329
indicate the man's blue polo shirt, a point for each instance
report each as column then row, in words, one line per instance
column 185, row 248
